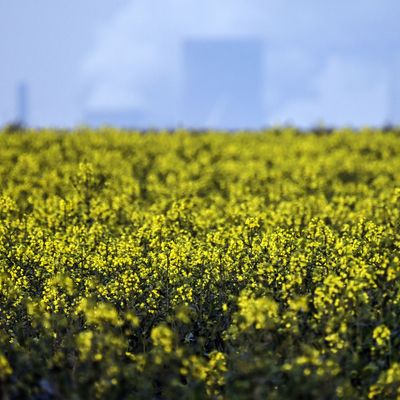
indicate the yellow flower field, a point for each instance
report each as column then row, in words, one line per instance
column 182, row 265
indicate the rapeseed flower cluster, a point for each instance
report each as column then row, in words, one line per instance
column 199, row 265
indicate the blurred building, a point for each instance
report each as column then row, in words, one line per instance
column 223, row 83
column 22, row 104
column 119, row 118
column 394, row 91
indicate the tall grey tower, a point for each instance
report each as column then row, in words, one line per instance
column 22, row 103
column 223, row 83
column 394, row 91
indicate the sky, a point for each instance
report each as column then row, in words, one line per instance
column 331, row 62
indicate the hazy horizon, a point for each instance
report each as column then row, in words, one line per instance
column 332, row 63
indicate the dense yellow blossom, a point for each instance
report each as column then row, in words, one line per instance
column 200, row 265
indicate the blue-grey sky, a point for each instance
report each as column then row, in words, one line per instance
column 332, row 62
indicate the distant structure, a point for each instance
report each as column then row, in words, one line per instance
column 394, row 91
column 119, row 118
column 22, row 104
column 223, row 83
